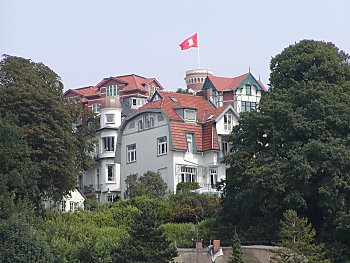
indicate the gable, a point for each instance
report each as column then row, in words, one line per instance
column 250, row 80
column 208, row 84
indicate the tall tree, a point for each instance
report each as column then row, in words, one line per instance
column 18, row 174
column 298, row 241
column 293, row 153
column 309, row 60
column 147, row 242
column 34, row 92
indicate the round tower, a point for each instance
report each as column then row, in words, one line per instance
column 195, row 78
column 110, row 112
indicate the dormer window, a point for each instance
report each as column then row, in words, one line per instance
column 173, row 99
column 109, row 118
column 112, row 90
column 189, row 115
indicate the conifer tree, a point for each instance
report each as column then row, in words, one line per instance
column 147, row 242
column 237, row 255
column 297, row 243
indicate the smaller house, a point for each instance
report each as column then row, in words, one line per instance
column 242, row 92
column 74, row 201
column 181, row 136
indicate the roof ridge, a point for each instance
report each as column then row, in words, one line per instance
column 131, row 75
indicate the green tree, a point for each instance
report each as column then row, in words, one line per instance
column 146, row 242
column 184, row 91
column 191, row 207
column 18, row 174
column 297, row 243
column 293, row 153
column 309, row 60
column 237, row 254
column 20, row 243
column 150, row 184
column 34, row 92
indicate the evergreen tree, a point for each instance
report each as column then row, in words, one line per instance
column 237, row 255
column 146, row 242
column 297, row 243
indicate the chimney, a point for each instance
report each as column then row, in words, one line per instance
column 199, row 245
column 216, row 246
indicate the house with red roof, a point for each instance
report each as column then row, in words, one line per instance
column 181, row 136
column 112, row 99
column 132, row 90
column 242, row 92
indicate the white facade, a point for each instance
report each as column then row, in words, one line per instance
column 143, row 148
column 102, row 180
column 70, row 203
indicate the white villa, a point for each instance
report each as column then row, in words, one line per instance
column 179, row 135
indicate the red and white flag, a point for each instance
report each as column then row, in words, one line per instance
column 189, row 42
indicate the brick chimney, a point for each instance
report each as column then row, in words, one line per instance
column 199, row 245
column 216, row 246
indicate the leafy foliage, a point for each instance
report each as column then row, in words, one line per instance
column 18, row 174
column 191, row 207
column 20, row 243
column 298, row 238
column 293, row 152
column 34, row 92
column 309, row 60
column 150, row 184
column 185, row 187
column 87, row 236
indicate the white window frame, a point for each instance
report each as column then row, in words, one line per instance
column 162, row 144
column 248, row 106
column 96, row 107
column 228, row 121
column 73, row 206
column 62, row 206
column 131, row 153
column 112, row 90
column 215, row 97
column 148, row 121
column 188, row 174
column 188, row 112
column 189, row 142
column 98, row 178
column 213, row 176
column 110, row 172
column 108, row 144
column 111, row 198
column 225, row 147
column 108, row 116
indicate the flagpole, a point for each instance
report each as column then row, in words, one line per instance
column 199, row 63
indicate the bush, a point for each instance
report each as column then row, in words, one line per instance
column 21, row 243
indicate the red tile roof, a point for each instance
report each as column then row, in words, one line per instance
column 202, row 106
column 203, row 129
column 132, row 82
column 223, row 83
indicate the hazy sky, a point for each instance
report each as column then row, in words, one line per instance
column 84, row 41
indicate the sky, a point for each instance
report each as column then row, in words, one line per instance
column 84, row 41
